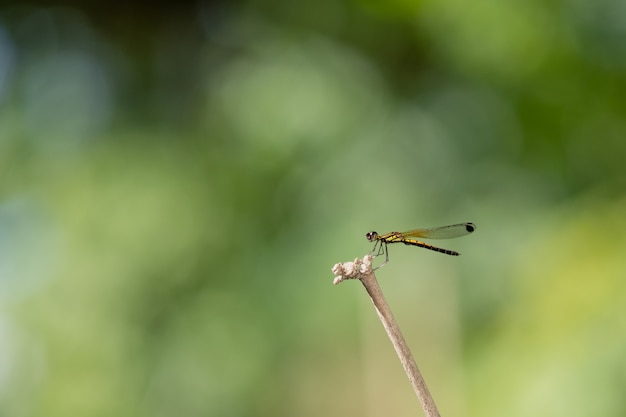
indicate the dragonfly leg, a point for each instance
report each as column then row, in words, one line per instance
column 376, row 250
column 382, row 247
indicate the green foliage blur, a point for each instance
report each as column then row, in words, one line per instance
column 177, row 180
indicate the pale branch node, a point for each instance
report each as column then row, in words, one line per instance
column 361, row 269
column 357, row 269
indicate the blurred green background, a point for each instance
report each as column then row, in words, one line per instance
column 177, row 179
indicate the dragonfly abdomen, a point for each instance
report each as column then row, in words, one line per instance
column 427, row 246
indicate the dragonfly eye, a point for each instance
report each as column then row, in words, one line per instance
column 371, row 236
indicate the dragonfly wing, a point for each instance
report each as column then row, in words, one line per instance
column 443, row 232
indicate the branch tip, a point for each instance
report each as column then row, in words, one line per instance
column 357, row 269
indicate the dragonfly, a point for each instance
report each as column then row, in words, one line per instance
column 409, row 238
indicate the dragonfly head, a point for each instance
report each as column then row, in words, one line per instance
column 372, row 236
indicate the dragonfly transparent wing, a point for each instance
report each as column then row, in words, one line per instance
column 443, row 232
